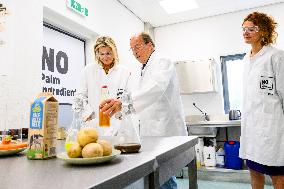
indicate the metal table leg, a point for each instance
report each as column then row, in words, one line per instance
column 153, row 180
column 192, row 174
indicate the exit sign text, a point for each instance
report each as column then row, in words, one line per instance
column 77, row 7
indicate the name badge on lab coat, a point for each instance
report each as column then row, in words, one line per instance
column 266, row 84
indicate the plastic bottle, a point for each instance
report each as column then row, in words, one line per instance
column 232, row 160
column 220, row 158
column 209, row 156
column 199, row 153
column 104, row 120
column 209, row 152
column 198, row 160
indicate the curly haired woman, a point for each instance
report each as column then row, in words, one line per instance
column 262, row 134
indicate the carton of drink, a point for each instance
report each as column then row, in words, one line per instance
column 43, row 127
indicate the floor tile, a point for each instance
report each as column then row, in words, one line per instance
column 202, row 184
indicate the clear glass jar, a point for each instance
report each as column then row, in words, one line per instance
column 73, row 130
column 127, row 139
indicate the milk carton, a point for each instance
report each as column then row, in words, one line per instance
column 43, row 127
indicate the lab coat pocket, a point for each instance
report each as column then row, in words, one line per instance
column 266, row 125
column 162, row 117
column 266, row 82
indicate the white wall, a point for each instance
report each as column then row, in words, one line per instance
column 24, row 42
column 21, row 58
column 210, row 37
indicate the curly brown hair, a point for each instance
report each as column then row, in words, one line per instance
column 267, row 26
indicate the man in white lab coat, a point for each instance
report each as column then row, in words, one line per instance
column 157, row 100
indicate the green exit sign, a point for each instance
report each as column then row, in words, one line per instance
column 77, row 7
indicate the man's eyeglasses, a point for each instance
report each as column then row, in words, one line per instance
column 250, row 29
column 108, row 54
column 136, row 47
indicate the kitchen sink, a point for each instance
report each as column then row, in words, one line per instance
column 216, row 123
column 202, row 131
column 197, row 125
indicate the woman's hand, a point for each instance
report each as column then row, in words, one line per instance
column 110, row 106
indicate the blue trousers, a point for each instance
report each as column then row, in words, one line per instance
column 170, row 184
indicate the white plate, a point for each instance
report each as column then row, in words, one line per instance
column 11, row 152
column 85, row 161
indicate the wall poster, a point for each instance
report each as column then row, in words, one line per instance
column 63, row 61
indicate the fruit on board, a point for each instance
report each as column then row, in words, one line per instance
column 6, row 139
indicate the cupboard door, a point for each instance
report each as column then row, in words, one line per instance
column 196, row 76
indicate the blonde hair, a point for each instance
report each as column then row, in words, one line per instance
column 105, row 41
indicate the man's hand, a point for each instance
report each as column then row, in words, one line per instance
column 88, row 118
column 110, row 106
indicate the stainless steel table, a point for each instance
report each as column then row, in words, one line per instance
column 171, row 154
column 160, row 157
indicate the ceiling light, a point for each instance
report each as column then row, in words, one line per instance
column 175, row 6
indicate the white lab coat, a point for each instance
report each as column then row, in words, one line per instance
column 262, row 130
column 94, row 78
column 157, row 101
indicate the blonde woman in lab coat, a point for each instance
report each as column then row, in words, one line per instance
column 157, row 101
column 105, row 71
column 262, row 132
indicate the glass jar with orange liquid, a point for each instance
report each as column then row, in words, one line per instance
column 104, row 120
